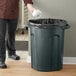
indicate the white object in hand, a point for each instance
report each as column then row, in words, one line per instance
column 36, row 13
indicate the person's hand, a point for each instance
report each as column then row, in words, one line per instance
column 33, row 11
column 30, row 8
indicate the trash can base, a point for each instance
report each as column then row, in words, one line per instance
column 47, row 70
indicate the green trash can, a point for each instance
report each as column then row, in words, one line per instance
column 47, row 43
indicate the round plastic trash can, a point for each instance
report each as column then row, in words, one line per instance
column 47, row 43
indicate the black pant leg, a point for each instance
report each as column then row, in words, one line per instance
column 2, row 40
column 12, row 25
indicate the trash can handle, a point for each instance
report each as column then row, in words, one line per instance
column 67, row 26
column 56, row 35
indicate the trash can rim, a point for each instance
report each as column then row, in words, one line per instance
column 59, row 23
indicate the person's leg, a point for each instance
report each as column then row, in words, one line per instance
column 12, row 25
column 2, row 43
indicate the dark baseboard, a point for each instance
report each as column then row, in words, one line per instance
column 21, row 45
